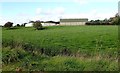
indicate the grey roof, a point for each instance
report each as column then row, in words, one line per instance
column 74, row 20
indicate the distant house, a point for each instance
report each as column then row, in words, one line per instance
column 81, row 21
column 47, row 23
column 29, row 25
column 50, row 23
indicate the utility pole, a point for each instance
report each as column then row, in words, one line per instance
column 119, row 8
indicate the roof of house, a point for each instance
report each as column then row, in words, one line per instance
column 49, row 22
column 74, row 20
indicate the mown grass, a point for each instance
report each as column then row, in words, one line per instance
column 67, row 48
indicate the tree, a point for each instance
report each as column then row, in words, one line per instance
column 116, row 15
column 92, row 21
column 37, row 25
column 105, row 20
column 116, row 20
column 31, row 21
column 97, row 21
column 8, row 24
column 23, row 25
column 18, row 25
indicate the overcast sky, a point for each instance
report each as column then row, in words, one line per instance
column 20, row 11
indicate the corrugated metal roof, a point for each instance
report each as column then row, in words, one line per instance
column 74, row 20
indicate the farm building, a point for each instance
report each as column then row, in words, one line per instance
column 47, row 23
column 29, row 25
column 73, row 21
column 50, row 23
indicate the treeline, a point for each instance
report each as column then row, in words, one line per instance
column 10, row 24
column 98, row 22
column 112, row 21
column 36, row 24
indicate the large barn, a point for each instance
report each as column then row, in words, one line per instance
column 80, row 21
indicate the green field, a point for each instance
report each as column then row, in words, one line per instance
column 61, row 48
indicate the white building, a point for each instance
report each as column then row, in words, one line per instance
column 50, row 23
column 47, row 23
column 73, row 21
column 29, row 25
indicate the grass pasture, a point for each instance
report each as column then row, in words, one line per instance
column 61, row 48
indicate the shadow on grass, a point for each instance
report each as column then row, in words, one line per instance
column 40, row 29
column 12, row 28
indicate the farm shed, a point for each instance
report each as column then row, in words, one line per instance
column 29, row 25
column 50, row 23
column 80, row 21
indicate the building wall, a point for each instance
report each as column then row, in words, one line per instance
column 72, row 23
column 43, row 24
column 48, row 24
column 29, row 25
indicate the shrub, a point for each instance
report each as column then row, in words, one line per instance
column 37, row 25
column 23, row 25
column 98, row 23
column 13, row 55
column 18, row 25
column 116, row 21
column 8, row 24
